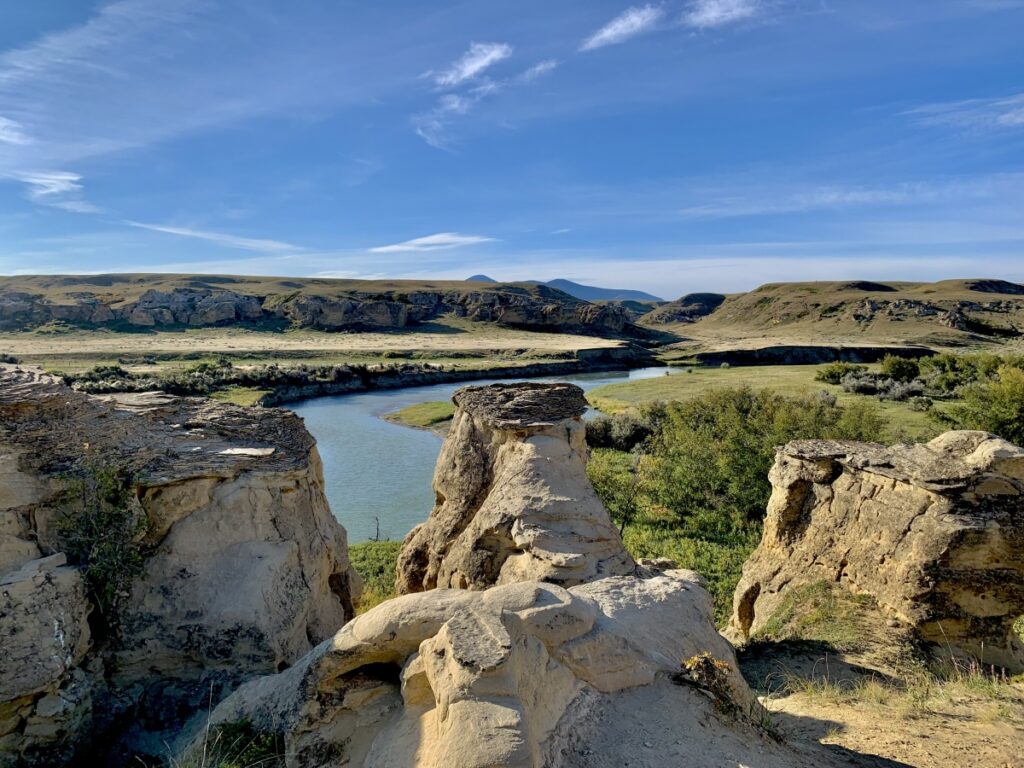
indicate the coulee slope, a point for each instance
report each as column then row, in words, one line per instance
column 945, row 314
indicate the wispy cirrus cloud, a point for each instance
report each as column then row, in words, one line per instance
column 479, row 57
column 538, row 70
column 231, row 241
column 706, row 14
column 438, row 242
column 630, row 23
column 780, row 201
column 12, row 132
column 56, row 189
column 973, row 114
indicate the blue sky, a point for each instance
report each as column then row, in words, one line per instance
column 669, row 147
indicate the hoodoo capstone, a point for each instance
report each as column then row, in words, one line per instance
column 513, row 499
column 933, row 532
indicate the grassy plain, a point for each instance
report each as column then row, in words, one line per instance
column 450, row 341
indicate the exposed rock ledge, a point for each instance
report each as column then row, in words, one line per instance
column 513, row 499
column 245, row 567
column 934, row 532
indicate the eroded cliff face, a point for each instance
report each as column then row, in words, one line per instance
column 560, row 651
column 513, row 499
column 205, row 301
column 244, row 568
column 934, row 533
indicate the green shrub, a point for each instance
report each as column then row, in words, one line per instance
column 699, row 493
column 995, row 406
column 376, row 562
column 833, row 373
column 101, row 533
column 900, row 368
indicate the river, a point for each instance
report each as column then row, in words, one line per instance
column 378, row 473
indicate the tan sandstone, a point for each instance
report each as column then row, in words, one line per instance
column 513, row 499
column 933, row 532
column 245, row 569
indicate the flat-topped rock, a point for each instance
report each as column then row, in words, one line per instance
column 933, row 532
column 513, row 499
column 526, row 404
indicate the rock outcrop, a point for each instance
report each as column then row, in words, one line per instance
column 169, row 301
column 520, row 675
column 934, row 533
column 244, row 568
column 513, row 499
column 560, row 652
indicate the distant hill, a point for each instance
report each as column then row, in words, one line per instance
column 942, row 314
column 592, row 293
column 689, row 309
column 584, row 292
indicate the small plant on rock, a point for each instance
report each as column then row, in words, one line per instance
column 101, row 532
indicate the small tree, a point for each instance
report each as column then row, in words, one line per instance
column 900, row 368
column 101, row 533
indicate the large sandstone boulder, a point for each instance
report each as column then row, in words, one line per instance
column 523, row 675
column 244, row 570
column 513, row 499
column 934, row 533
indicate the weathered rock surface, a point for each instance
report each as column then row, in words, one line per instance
column 513, row 499
column 934, row 533
column 245, row 568
column 159, row 301
column 517, row 675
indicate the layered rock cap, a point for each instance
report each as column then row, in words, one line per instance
column 513, row 499
column 933, row 532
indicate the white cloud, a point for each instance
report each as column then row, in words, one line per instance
column 473, row 62
column 11, row 132
column 974, row 114
column 538, row 70
column 440, row 241
column 718, row 13
column 231, row 241
column 630, row 23
column 54, row 188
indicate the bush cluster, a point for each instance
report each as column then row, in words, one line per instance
column 695, row 489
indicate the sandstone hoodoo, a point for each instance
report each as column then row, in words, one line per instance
column 235, row 565
column 513, row 499
column 933, row 532
column 560, row 652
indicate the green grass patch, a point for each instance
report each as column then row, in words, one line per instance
column 424, row 415
column 375, row 561
column 820, row 612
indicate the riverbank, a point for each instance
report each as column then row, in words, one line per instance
column 274, row 385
